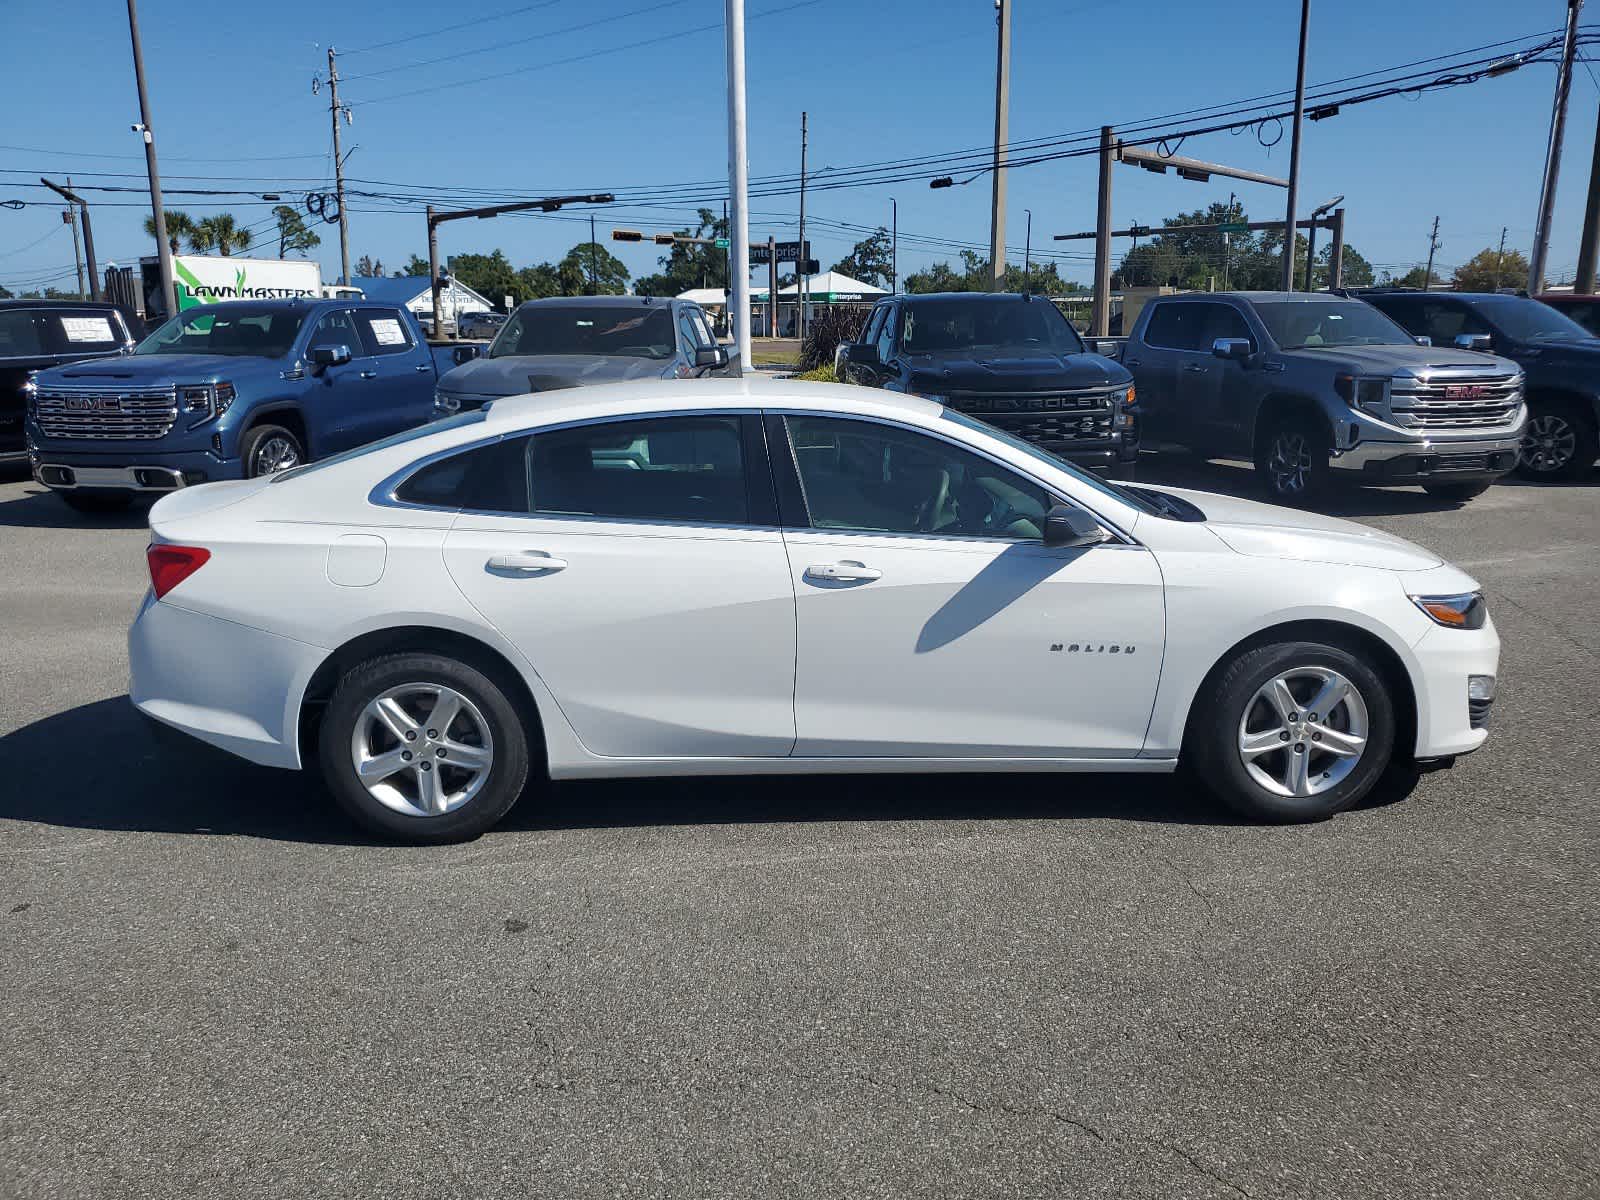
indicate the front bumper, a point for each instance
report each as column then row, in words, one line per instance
column 130, row 469
column 1448, row 723
column 1425, row 459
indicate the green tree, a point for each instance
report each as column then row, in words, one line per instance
column 490, row 275
column 537, row 282
column 221, row 233
column 591, row 269
column 292, row 232
column 690, row 265
column 1411, row 279
column 179, row 225
column 368, row 267
column 871, row 260
column 416, row 266
column 1489, row 269
column 1252, row 261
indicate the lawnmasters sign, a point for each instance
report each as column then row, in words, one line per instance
column 202, row 279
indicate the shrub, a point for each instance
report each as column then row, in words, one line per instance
column 822, row 374
column 834, row 324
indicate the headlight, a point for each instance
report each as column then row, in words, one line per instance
column 30, row 391
column 195, row 400
column 1455, row 612
column 1369, row 394
column 1126, row 415
column 204, row 401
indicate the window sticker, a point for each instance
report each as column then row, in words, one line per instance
column 88, row 329
column 387, row 331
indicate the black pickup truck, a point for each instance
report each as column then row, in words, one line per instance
column 35, row 334
column 1011, row 360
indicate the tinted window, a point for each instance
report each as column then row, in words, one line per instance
column 885, row 335
column 1444, row 321
column 241, row 330
column 28, row 332
column 942, row 325
column 629, row 332
column 1528, row 320
column 337, row 329
column 869, row 332
column 661, row 469
column 1296, row 325
column 1585, row 314
column 490, row 478
column 1177, row 326
column 880, row 479
column 383, row 331
column 1223, row 321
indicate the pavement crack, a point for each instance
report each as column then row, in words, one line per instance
column 1000, row 1106
column 1203, row 1169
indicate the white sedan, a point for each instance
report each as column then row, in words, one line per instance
column 747, row 577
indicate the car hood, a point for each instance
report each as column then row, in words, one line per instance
column 1413, row 360
column 1006, row 371
column 1267, row 531
column 515, row 374
column 157, row 368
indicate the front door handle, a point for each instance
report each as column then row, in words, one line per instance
column 1130, row 362
column 843, row 572
column 1195, row 369
column 535, row 562
column 369, row 374
column 421, row 367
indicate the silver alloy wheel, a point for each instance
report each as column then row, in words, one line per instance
column 1549, row 442
column 422, row 749
column 1303, row 731
column 1289, row 462
column 274, row 454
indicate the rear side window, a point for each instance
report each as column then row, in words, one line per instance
column 383, row 331
column 491, row 478
column 27, row 333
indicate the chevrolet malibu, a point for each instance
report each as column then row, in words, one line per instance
column 750, row 577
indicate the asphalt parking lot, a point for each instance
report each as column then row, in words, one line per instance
column 985, row 986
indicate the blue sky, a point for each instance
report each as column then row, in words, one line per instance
column 233, row 108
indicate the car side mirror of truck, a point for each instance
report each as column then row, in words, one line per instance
column 465, row 354
column 711, row 356
column 1423, row 339
column 323, row 357
column 1067, row 526
column 1474, row 341
column 862, row 354
column 1232, row 349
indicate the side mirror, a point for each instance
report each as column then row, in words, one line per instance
column 711, row 356
column 323, row 357
column 465, row 354
column 1423, row 339
column 1065, row 525
column 1234, row 349
column 1474, row 341
column 862, row 354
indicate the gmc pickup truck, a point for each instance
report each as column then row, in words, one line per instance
column 228, row 391
column 38, row 334
column 1309, row 386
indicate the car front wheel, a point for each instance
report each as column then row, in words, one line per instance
column 1295, row 731
column 1292, row 460
column 423, row 748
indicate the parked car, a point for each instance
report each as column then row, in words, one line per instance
column 39, row 334
column 1561, row 359
column 760, row 577
column 1011, row 360
column 1311, row 386
column 228, row 391
column 577, row 341
column 479, row 324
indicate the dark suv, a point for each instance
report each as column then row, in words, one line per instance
column 1560, row 358
column 35, row 334
column 1010, row 360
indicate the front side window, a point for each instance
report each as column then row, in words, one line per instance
column 337, row 329
column 885, row 335
column 382, row 331
column 1529, row 321
column 870, row 478
column 1178, row 327
column 237, row 330
column 631, row 331
column 651, row 469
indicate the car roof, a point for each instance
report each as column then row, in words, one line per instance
column 601, row 302
column 1253, row 297
column 981, row 297
column 57, row 302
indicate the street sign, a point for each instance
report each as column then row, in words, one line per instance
column 1233, row 227
column 788, row 252
column 721, row 243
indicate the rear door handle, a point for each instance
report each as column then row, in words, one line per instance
column 843, row 572
column 1130, row 362
column 534, row 562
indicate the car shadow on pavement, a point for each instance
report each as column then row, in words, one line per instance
column 38, row 508
column 1235, row 478
column 138, row 781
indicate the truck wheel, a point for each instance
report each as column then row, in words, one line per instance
column 96, row 501
column 268, row 449
column 1292, row 732
column 1292, row 460
column 1458, row 492
column 1559, row 443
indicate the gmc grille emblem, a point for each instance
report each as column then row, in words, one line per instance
column 94, row 404
column 1465, row 391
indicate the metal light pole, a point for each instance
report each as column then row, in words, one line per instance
column 1002, row 122
column 739, row 187
column 163, row 248
column 894, row 246
column 1311, row 241
column 66, row 193
column 1294, row 150
column 1552, row 157
column 1027, row 251
column 800, row 255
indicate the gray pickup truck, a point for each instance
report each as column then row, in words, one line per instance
column 1309, row 386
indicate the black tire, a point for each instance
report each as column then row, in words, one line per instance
column 1561, row 441
column 97, row 501
column 1297, row 441
column 258, row 441
column 1212, row 749
column 1460, row 493
column 507, row 773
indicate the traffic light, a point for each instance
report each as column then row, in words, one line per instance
column 666, row 239
column 811, row 267
column 626, row 235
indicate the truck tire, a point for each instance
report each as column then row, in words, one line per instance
column 96, row 500
column 1460, row 493
column 1292, row 459
column 1560, row 442
column 268, row 449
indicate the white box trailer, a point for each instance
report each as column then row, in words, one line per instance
column 213, row 279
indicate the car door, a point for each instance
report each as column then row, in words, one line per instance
column 337, row 396
column 1219, row 396
column 932, row 621
column 1154, row 360
column 849, row 372
column 645, row 579
column 403, row 375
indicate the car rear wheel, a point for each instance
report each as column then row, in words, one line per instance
column 268, row 449
column 1295, row 731
column 96, row 500
column 1560, row 441
column 1458, row 492
column 423, row 748
column 1292, row 460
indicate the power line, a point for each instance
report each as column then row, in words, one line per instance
column 412, row 37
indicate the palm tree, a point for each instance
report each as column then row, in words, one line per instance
column 221, row 233
column 179, row 225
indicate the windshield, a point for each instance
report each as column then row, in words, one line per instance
column 1299, row 326
column 590, row 329
column 474, row 417
column 1033, row 326
column 1526, row 320
column 237, row 330
column 1086, row 477
column 34, row 332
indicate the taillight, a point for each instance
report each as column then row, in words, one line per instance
column 171, row 565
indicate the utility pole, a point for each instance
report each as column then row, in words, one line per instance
column 1002, row 122
column 800, row 255
column 1336, row 255
column 738, row 187
column 1294, row 150
column 1588, row 242
column 434, row 285
column 163, row 249
column 71, row 218
column 594, row 259
column 71, row 197
column 1590, row 245
column 1552, row 158
column 894, row 246
column 338, row 179
column 1227, row 245
column 1100, row 320
column 772, row 287
column 1433, row 244
column 1027, row 251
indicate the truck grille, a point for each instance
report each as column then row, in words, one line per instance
column 1047, row 417
column 100, row 414
column 1461, row 403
